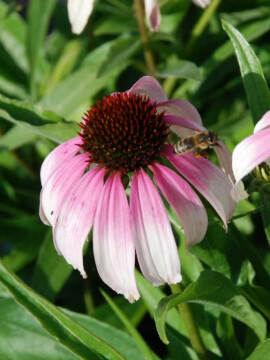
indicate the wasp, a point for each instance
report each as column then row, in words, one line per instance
column 197, row 143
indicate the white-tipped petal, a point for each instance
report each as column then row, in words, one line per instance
column 155, row 245
column 152, row 14
column 209, row 180
column 78, row 13
column 185, row 202
column 250, row 153
column 202, row 3
column 56, row 158
column 59, row 185
column 114, row 247
column 76, row 218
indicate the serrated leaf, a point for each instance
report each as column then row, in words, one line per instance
column 214, row 289
column 69, row 333
column 251, row 71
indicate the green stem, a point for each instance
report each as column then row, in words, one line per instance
column 200, row 26
column 148, row 56
column 192, row 329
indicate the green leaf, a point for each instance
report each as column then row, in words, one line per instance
column 251, row 71
column 141, row 344
column 120, row 51
column 214, row 289
column 39, row 14
column 59, row 132
column 51, row 271
column 262, row 352
column 180, row 69
column 16, row 137
column 73, row 336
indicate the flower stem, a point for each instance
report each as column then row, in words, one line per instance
column 200, row 26
column 148, row 56
column 192, row 329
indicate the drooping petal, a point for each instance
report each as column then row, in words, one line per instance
column 152, row 14
column 250, row 153
column 78, row 13
column 201, row 3
column 59, row 156
column 225, row 158
column 149, row 87
column 182, row 122
column 58, row 186
column 114, row 246
column 185, row 202
column 263, row 123
column 155, row 245
column 181, row 107
column 210, row 181
column 76, row 218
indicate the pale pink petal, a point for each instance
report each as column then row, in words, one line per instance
column 78, row 13
column 59, row 185
column 263, row 123
column 150, row 87
column 250, row 153
column 181, row 108
column 152, row 14
column 76, row 218
column 114, row 246
column 185, row 202
column 59, row 156
column 201, row 3
column 182, row 123
column 225, row 159
column 209, row 180
column 155, row 245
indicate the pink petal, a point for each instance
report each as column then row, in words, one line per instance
column 150, row 87
column 152, row 14
column 263, row 123
column 225, row 158
column 114, row 247
column 57, row 157
column 56, row 189
column 155, row 245
column 185, row 202
column 209, row 180
column 180, row 107
column 76, row 218
column 250, row 153
column 181, row 123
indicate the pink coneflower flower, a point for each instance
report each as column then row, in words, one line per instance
column 79, row 12
column 84, row 183
column 253, row 150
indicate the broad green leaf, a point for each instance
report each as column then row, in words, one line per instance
column 32, row 341
column 180, row 69
column 259, row 297
column 58, row 132
column 265, row 212
column 214, row 289
column 69, row 333
column 16, row 137
column 251, row 71
column 120, row 51
column 39, row 14
column 13, row 38
column 262, row 352
column 51, row 270
column 141, row 344
column 82, row 84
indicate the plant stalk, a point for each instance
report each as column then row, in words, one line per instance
column 148, row 56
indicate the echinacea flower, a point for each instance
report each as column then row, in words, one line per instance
column 253, row 150
column 79, row 12
column 84, row 183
